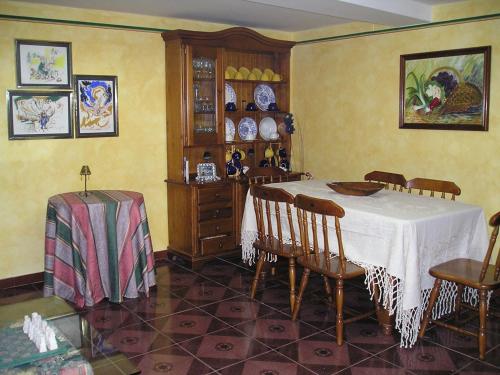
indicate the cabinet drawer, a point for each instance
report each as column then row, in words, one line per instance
column 217, row 245
column 219, row 210
column 223, row 194
column 216, row 227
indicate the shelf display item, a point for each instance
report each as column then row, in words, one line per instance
column 230, row 94
column 268, row 129
column 230, row 130
column 230, row 72
column 244, row 72
column 263, row 96
column 257, row 73
column 269, row 72
column 247, row 129
column 206, row 172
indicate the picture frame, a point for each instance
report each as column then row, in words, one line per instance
column 96, row 106
column 39, row 114
column 446, row 90
column 43, row 64
column 206, row 172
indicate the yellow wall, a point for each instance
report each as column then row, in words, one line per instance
column 345, row 100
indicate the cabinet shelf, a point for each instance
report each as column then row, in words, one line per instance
column 255, row 81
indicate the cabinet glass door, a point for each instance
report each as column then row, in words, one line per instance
column 204, row 99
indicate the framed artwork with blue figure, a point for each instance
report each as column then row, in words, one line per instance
column 96, row 106
column 39, row 114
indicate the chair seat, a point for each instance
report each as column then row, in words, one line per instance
column 272, row 245
column 466, row 272
column 330, row 267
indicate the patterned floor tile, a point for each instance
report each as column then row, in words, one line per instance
column 270, row 363
column 493, row 356
column 367, row 335
column 157, row 305
column 374, row 366
column 205, row 292
column 237, row 310
column 112, row 316
column 19, row 294
column 276, row 329
column 426, row 358
column 224, row 348
column 171, row 360
column 477, row 368
column 277, row 298
column 321, row 354
column 137, row 339
column 188, row 324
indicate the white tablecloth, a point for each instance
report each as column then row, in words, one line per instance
column 396, row 237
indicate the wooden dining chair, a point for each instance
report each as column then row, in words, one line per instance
column 266, row 200
column 266, row 175
column 481, row 276
column 312, row 216
column 439, row 186
column 398, row 181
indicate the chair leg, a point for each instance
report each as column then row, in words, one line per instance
column 340, row 305
column 258, row 270
column 432, row 301
column 328, row 289
column 298, row 300
column 482, row 323
column 458, row 301
column 291, row 276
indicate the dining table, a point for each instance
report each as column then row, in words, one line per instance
column 97, row 245
column 396, row 237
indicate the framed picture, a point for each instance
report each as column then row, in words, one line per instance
column 445, row 90
column 39, row 114
column 43, row 64
column 96, row 106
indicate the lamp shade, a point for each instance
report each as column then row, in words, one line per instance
column 85, row 171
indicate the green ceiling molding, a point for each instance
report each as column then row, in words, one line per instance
column 317, row 40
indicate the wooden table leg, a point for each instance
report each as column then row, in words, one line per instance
column 386, row 321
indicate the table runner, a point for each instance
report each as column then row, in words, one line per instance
column 97, row 246
column 396, row 237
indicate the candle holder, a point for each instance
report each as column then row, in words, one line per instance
column 85, row 172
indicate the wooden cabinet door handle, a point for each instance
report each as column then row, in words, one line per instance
column 217, row 228
column 216, row 213
column 221, row 244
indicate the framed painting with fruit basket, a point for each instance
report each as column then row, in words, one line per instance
column 445, row 90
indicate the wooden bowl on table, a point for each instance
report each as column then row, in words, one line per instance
column 356, row 188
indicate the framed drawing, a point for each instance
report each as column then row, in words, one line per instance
column 445, row 90
column 96, row 106
column 43, row 64
column 39, row 114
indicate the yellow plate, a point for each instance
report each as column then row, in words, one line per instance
column 252, row 77
column 269, row 72
column 257, row 72
column 231, row 69
column 244, row 72
column 238, row 76
column 264, row 77
column 276, row 77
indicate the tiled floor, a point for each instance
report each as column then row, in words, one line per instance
column 204, row 322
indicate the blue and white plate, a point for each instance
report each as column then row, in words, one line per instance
column 230, row 130
column 247, row 129
column 230, row 96
column 263, row 95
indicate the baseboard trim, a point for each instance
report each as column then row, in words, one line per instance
column 37, row 277
column 16, row 281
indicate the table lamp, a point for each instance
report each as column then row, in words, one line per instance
column 85, row 171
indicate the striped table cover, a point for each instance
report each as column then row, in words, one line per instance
column 97, row 246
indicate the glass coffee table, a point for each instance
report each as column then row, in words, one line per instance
column 103, row 358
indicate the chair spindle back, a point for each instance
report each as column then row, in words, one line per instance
column 397, row 180
column 266, row 175
column 494, row 222
column 267, row 200
column 311, row 210
column 440, row 186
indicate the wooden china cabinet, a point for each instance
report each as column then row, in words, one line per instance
column 205, row 218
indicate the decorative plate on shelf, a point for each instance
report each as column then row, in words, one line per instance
column 230, row 130
column 356, row 188
column 230, row 94
column 247, row 129
column 263, row 95
column 268, row 129
column 244, row 72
